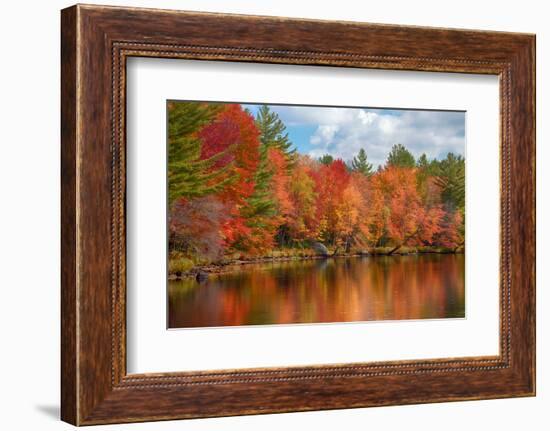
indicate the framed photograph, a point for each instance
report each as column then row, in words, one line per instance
column 264, row 214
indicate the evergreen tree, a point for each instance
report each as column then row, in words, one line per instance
column 428, row 167
column 400, row 157
column 424, row 172
column 273, row 132
column 451, row 178
column 261, row 206
column 188, row 175
column 360, row 163
column 326, row 159
column 423, row 162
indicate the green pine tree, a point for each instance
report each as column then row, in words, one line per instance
column 326, row 159
column 261, row 204
column 188, row 175
column 451, row 173
column 423, row 162
column 400, row 157
column 360, row 163
column 273, row 133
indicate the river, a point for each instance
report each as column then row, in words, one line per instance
column 342, row 289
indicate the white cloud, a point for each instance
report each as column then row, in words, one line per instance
column 367, row 117
column 342, row 132
column 388, row 124
column 324, row 135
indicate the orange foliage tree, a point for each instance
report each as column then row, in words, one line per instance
column 410, row 220
column 330, row 180
column 302, row 221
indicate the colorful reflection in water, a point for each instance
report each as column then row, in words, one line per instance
column 330, row 290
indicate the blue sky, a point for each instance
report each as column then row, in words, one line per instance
column 342, row 132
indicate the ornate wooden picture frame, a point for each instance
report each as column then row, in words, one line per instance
column 96, row 41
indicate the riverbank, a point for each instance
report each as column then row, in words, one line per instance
column 176, row 271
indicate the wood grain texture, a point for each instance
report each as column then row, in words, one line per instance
column 96, row 41
column 69, row 366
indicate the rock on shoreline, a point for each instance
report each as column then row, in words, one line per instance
column 320, row 249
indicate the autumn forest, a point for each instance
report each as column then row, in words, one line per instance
column 238, row 190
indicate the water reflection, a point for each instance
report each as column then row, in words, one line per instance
column 329, row 290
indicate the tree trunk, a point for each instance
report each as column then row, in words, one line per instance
column 393, row 250
column 347, row 248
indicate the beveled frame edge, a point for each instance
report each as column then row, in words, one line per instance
column 96, row 41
